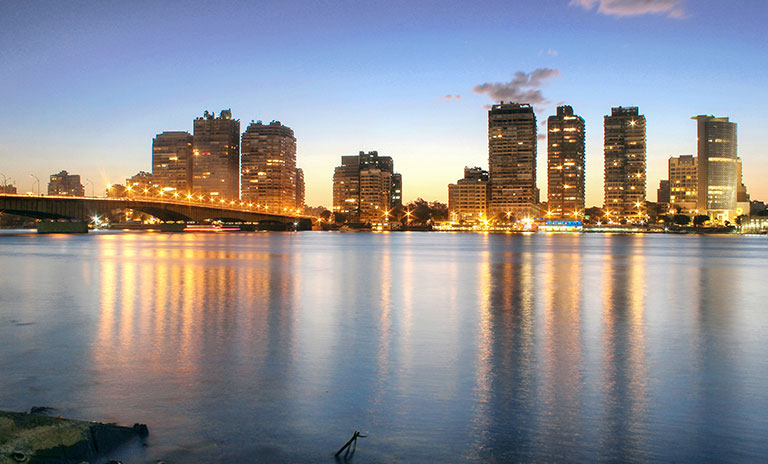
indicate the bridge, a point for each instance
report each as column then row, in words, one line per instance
column 88, row 209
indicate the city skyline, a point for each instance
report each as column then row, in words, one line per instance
column 427, row 108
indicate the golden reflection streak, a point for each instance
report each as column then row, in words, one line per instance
column 385, row 324
column 108, row 286
column 484, row 348
column 624, row 376
column 561, row 289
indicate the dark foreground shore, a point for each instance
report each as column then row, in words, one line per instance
column 37, row 438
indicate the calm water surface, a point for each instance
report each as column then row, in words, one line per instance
column 275, row 347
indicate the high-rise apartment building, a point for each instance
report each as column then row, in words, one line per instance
column 300, row 189
column 512, row 159
column 683, row 183
column 65, row 184
column 172, row 160
column 216, row 155
column 397, row 190
column 468, row 197
column 363, row 187
column 565, row 164
column 717, row 168
column 625, row 169
column 268, row 165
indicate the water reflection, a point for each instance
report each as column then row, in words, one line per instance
column 622, row 433
column 446, row 347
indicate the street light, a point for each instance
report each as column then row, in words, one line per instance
column 89, row 181
column 5, row 180
column 37, row 181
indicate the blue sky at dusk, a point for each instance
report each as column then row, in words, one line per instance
column 85, row 86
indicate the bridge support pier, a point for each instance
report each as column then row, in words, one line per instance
column 55, row 227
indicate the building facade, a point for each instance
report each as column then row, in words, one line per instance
column 625, row 164
column 216, row 156
column 268, row 166
column 172, row 160
column 565, row 164
column 512, row 159
column 683, row 183
column 144, row 184
column 300, row 190
column 363, row 187
column 717, row 168
column 65, row 184
column 663, row 192
column 468, row 197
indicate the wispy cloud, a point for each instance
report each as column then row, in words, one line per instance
column 452, row 97
column 671, row 8
column 523, row 88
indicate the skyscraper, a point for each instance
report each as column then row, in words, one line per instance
column 683, row 183
column 717, row 168
column 216, row 156
column 624, row 137
column 363, row 187
column 565, row 164
column 512, row 159
column 268, row 165
column 172, row 160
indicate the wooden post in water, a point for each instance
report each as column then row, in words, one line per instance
column 351, row 440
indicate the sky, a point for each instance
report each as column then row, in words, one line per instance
column 86, row 85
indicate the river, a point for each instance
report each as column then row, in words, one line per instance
column 441, row 347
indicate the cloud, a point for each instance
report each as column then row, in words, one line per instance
column 550, row 52
column 671, row 8
column 452, row 97
column 524, row 88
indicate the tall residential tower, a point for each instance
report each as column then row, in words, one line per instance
column 216, row 156
column 512, row 159
column 625, row 168
column 565, row 164
column 268, row 166
column 717, row 168
column 172, row 160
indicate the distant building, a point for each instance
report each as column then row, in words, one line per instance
column 625, row 169
column 397, row 190
column 468, row 197
column 65, row 184
column 172, row 160
column 717, row 168
column 300, row 189
column 8, row 188
column 363, row 187
column 216, row 155
column 512, row 159
column 663, row 192
column 144, row 184
column 683, row 183
column 743, row 203
column 565, row 164
column 268, row 165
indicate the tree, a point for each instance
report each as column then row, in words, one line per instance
column 424, row 212
column 700, row 219
column 681, row 219
column 593, row 214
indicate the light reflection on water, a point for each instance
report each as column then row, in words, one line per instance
column 447, row 347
